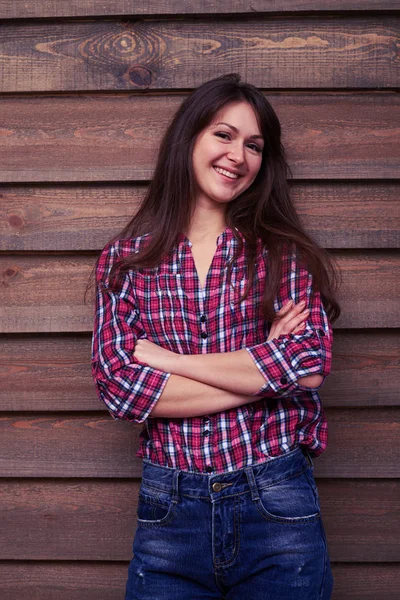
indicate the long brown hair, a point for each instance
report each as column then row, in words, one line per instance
column 265, row 210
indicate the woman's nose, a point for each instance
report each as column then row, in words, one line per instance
column 236, row 153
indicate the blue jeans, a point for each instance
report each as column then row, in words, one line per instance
column 251, row 534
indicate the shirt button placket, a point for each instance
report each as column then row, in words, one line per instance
column 204, row 333
column 206, row 434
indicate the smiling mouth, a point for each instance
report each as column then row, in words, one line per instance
column 227, row 174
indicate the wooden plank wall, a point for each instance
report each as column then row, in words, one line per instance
column 87, row 89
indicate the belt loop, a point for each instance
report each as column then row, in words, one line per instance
column 175, row 485
column 252, row 483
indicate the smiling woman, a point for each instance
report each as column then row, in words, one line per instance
column 225, row 160
column 213, row 327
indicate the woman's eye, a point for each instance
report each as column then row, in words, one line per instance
column 221, row 134
column 255, row 147
column 225, row 136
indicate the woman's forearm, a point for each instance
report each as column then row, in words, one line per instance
column 230, row 377
column 232, row 371
column 183, row 397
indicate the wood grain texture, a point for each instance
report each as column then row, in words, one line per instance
column 21, row 9
column 38, row 580
column 46, row 293
column 85, row 217
column 69, row 446
column 362, row 444
column 365, row 369
column 365, row 582
column 340, row 52
column 116, row 137
column 82, row 520
column 70, row 217
column 52, row 373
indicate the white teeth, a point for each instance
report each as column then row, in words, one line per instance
column 227, row 173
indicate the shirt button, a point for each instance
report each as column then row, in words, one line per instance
column 206, row 432
column 203, row 318
column 283, row 380
column 204, row 335
column 321, row 332
column 209, row 469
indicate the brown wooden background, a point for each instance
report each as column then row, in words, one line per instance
column 88, row 88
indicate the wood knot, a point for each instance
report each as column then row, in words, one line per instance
column 16, row 221
column 140, row 76
column 9, row 274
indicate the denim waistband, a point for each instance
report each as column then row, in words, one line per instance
column 243, row 480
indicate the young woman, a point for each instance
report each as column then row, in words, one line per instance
column 213, row 329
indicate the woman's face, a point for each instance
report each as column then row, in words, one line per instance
column 227, row 154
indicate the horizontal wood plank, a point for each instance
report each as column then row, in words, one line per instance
column 365, row 369
column 362, row 582
column 362, row 443
column 117, row 137
column 39, row 373
column 106, row 581
column 141, row 54
column 46, row 293
column 21, row 9
column 97, row 520
column 37, row 580
column 85, row 217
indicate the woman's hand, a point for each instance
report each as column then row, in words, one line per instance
column 153, row 355
column 290, row 319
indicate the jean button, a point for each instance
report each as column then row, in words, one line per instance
column 217, row 487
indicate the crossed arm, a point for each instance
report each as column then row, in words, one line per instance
column 232, row 371
column 137, row 379
column 203, row 384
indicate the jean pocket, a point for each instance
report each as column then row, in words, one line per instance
column 291, row 501
column 155, row 507
column 309, row 459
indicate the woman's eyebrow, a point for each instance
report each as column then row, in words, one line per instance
column 252, row 137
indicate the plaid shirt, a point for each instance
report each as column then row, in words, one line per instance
column 167, row 306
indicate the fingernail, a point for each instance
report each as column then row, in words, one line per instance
column 302, row 303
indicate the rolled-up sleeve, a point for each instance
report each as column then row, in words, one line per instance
column 129, row 389
column 285, row 359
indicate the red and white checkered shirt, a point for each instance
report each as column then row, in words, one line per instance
column 167, row 306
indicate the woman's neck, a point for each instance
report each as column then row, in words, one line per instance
column 206, row 225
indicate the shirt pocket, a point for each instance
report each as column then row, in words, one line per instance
column 171, row 321
column 174, row 301
column 245, row 313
